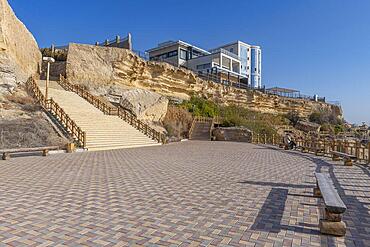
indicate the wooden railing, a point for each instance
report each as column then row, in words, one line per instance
column 141, row 126
column 356, row 148
column 113, row 110
column 203, row 120
column 92, row 99
column 54, row 109
column 66, row 121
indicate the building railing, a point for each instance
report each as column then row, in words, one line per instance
column 295, row 96
column 57, row 112
column 142, row 55
column 226, row 52
column 115, row 40
column 312, row 144
column 124, row 114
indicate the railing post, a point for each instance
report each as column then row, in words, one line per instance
column 273, row 139
column 258, row 138
column 368, row 153
column 265, row 139
column 84, row 141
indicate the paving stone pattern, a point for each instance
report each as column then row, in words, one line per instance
column 187, row 194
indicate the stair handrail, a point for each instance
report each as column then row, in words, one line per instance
column 59, row 114
column 192, row 128
column 130, row 118
column 202, row 120
column 122, row 113
column 92, row 99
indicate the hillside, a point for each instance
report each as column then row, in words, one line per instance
column 112, row 70
column 22, row 122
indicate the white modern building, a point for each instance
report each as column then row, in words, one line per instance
column 237, row 62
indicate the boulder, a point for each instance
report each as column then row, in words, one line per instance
column 235, row 134
column 146, row 105
column 307, row 126
column 20, row 56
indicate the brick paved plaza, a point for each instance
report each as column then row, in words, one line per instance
column 185, row 194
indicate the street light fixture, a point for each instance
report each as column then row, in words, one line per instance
column 49, row 60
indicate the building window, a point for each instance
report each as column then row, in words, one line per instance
column 255, row 69
column 231, row 49
column 183, row 54
column 203, row 66
column 172, row 54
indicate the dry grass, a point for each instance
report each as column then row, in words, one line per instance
column 34, row 132
column 24, row 102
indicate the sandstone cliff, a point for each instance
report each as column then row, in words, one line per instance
column 19, row 53
column 109, row 70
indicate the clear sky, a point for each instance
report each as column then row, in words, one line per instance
column 317, row 46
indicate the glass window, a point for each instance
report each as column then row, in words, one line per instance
column 203, row 66
column 172, row 54
column 183, row 54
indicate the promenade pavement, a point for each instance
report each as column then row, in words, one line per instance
column 185, row 194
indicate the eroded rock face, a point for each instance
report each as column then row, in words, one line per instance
column 19, row 54
column 146, row 105
column 307, row 126
column 119, row 68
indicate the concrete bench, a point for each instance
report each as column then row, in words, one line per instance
column 348, row 158
column 332, row 223
column 45, row 151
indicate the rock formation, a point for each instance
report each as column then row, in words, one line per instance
column 307, row 126
column 235, row 134
column 116, row 69
column 146, row 105
column 19, row 54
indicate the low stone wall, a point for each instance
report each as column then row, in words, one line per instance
column 235, row 134
column 111, row 70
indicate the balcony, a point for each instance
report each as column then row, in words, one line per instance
column 226, row 52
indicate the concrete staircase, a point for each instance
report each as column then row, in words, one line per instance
column 201, row 131
column 103, row 132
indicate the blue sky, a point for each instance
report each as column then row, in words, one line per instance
column 317, row 46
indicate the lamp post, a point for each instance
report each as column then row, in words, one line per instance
column 49, row 60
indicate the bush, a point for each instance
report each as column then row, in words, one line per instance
column 235, row 116
column 293, row 117
column 58, row 55
column 325, row 117
column 201, row 107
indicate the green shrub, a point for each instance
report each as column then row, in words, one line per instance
column 324, row 117
column 235, row 116
column 293, row 117
column 201, row 107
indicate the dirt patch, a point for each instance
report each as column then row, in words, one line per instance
column 30, row 132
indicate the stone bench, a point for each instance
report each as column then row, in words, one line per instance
column 45, row 151
column 332, row 223
column 348, row 158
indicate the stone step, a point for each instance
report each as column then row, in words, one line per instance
column 103, row 132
